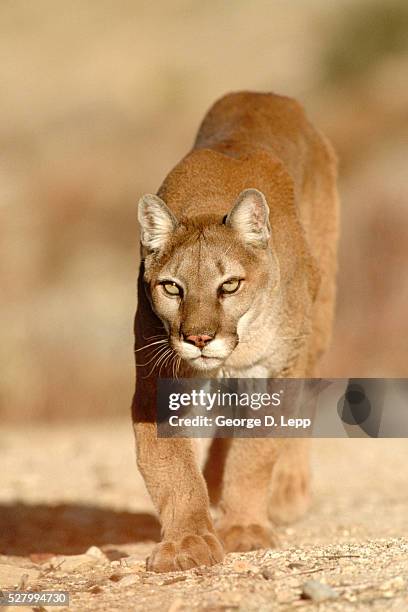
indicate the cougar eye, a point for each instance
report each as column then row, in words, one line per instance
column 230, row 286
column 171, row 288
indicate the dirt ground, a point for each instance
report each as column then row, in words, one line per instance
column 71, row 489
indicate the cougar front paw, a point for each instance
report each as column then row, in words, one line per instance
column 243, row 538
column 190, row 551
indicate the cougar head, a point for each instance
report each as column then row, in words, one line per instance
column 206, row 274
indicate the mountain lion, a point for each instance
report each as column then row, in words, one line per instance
column 237, row 280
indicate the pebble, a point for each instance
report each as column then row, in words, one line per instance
column 96, row 552
column 267, row 573
column 295, row 565
column 317, row 591
column 128, row 580
column 68, row 563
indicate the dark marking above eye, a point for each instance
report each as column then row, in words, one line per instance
column 176, row 264
column 220, row 267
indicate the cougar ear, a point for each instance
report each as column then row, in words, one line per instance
column 157, row 222
column 250, row 217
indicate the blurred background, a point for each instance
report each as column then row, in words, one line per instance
column 100, row 99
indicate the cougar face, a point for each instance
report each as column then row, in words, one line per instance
column 205, row 276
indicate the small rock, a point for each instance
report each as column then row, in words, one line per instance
column 295, row 565
column 317, row 591
column 128, row 580
column 267, row 573
column 69, row 563
column 96, row 552
column 95, row 590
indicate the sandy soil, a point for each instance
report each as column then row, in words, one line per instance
column 68, row 489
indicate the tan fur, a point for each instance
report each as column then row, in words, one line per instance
column 277, row 325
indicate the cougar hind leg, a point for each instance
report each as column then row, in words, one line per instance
column 289, row 493
column 239, row 482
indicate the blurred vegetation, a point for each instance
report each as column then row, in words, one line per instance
column 364, row 36
column 100, row 99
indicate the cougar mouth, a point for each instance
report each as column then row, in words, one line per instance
column 209, row 357
column 206, row 363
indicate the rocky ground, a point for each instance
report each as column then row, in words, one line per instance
column 74, row 516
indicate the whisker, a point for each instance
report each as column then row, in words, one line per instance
column 173, row 362
column 162, row 356
column 161, row 362
column 156, row 353
column 178, row 366
column 165, row 362
column 155, row 336
column 143, row 348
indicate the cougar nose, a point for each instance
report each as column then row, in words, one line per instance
column 200, row 341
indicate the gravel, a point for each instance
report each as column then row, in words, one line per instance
column 75, row 516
